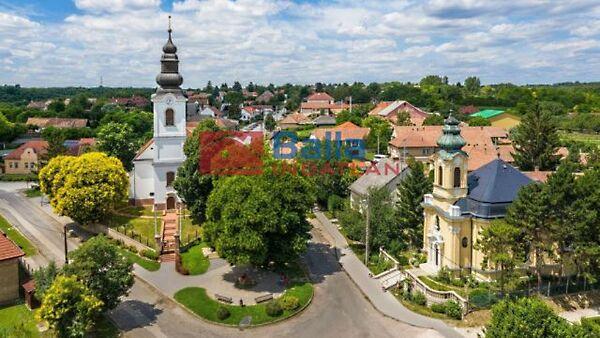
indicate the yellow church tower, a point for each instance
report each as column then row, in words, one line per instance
column 446, row 233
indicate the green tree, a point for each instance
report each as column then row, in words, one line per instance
column 56, row 143
column 380, row 134
column 69, row 307
column 431, row 80
column 270, row 122
column 477, row 121
column 85, row 188
column 116, row 277
column 192, row 186
column 536, row 140
column 410, row 196
column 502, row 248
column 259, row 219
column 384, row 226
column 44, row 277
column 8, row 130
column 472, row 85
column 434, row 120
column 526, row 317
column 118, row 140
column 529, row 212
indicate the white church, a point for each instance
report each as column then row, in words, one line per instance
column 156, row 163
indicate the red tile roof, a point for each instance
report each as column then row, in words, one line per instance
column 8, row 249
column 38, row 146
column 416, row 114
column 323, row 105
column 295, row 118
column 319, row 97
column 539, row 176
column 348, row 130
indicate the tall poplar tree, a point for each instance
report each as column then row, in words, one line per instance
column 536, row 140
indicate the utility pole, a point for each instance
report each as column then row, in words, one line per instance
column 367, row 234
column 66, row 249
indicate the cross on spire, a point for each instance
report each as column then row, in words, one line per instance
column 170, row 29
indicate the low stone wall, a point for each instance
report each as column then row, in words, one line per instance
column 103, row 229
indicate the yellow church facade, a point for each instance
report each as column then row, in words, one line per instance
column 463, row 203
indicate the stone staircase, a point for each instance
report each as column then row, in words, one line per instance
column 168, row 237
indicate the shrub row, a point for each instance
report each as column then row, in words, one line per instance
column 450, row 308
column 273, row 308
column 150, row 254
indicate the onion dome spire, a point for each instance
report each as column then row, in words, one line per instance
column 169, row 77
column 451, row 141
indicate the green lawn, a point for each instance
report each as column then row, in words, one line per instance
column 143, row 228
column 442, row 287
column 304, row 134
column 200, row 303
column 137, row 211
column 189, row 230
column 17, row 237
column 17, row 315
column 593, row 139
column 194, row 261
column 31, row 192
column 147, row 264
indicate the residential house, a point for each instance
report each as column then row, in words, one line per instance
column 463, row 204
column 345, row 131
column 56, row 122
column 324, row 120
column 468, row 110
column 483, row 143
column 294, row 121
column 265, row 97
column 249, row 113
column 28, row 157
column 499, row 118
column 318, row 103
column 202, row 99
column 390, row 111
column 135, row 101
column 10, row 254
column 211, row 111
column 386, row 173
column 41, row 105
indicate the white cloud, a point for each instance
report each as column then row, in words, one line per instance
column 282, row 41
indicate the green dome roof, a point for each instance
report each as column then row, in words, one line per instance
column 451, row 141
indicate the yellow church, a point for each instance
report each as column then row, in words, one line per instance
column 462, row 204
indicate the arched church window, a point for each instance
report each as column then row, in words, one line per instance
column 170, row 178
column 457, row 177
column 440, row 175
column 169, row 117
column 465, row 242
column 437, row 223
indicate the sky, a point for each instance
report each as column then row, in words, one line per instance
column 45, row 43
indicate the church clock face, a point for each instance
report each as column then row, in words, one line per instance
column 169, row 100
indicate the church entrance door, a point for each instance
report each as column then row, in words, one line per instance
column 170, row 203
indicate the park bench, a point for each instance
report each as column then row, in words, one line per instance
column 223, row 298
column 263, row 298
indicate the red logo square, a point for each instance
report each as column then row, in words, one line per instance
column 231, row 153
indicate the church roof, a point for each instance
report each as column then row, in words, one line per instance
column 492, row 188
column 169, row 78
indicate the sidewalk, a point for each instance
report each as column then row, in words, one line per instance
column 385, row 302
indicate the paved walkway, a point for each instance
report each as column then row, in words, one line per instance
column 219, row 278
column 576, row 315
column 385, row 302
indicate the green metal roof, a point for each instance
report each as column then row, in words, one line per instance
column 450, row 142
column 488, row 113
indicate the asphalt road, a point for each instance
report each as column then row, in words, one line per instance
column 338, row 309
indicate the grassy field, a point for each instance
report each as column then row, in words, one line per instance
column 33, row 193
column 137, row 211
column 147, row 264
column 17, row 237
column 17, row 315
column 442, row 287
column 194, row 261
column 189, row 229
column 143, row 228
column 591, row 139
column 200, row 303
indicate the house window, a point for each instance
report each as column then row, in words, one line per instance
column 31, row 165
column 169, row 117
column 16, row 165
column 457, row 177
column 10, row 164
column 440, row 174
column 170, row 178
column 26, row 165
